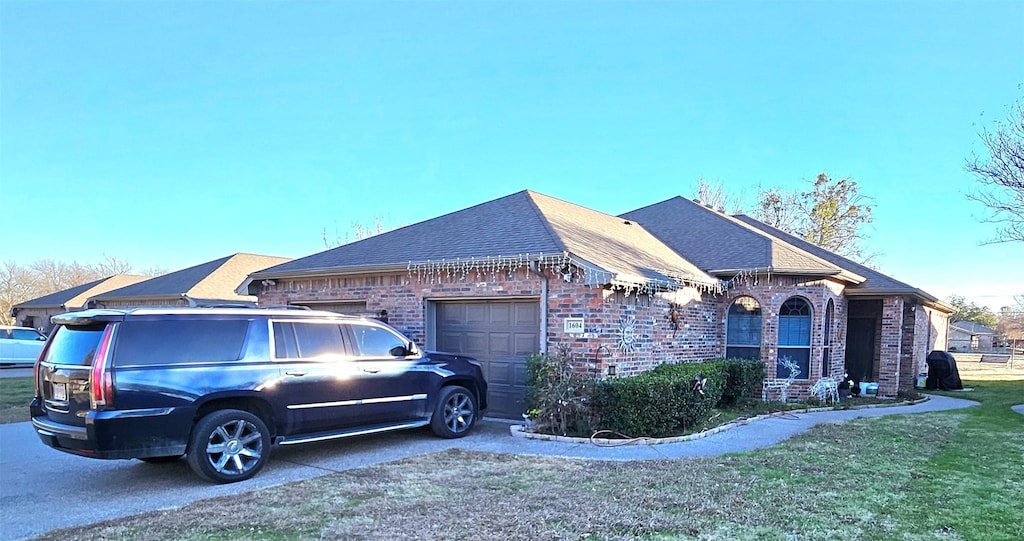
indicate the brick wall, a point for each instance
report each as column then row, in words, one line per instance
column 891, row 343
column 633, row 333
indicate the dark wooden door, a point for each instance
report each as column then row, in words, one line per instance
column 860, row 348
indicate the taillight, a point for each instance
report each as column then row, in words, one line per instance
column 101, row 382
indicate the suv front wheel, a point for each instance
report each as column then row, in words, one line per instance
column 228, row 446
column 455, row 412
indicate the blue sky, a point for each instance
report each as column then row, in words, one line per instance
column 169, row 134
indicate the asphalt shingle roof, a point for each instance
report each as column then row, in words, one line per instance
column 75, row 297
column 719, row 242
column 215, row 279
column 971, row 327
column 522, row 223
column 874, row 281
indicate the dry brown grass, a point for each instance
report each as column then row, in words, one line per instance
column 800, row 489
column 991, row 371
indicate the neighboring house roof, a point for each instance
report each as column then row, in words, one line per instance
column 726, row 245
column 972, row 328
column 214, row 280
column 525, row 225
column 75, row 297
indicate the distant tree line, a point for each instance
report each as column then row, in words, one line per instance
column 20, row 283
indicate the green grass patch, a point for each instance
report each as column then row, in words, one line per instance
column 15, row 395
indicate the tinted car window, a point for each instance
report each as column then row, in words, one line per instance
column 178, row 341
column 377, row 341
column 75, row 345
column 310, row 339
column 25, row 334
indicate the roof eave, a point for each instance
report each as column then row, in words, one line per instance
column 925, row 298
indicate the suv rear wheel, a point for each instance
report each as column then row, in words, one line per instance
column 229, row 445
column 455, row 412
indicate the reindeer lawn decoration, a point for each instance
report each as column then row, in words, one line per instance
column 826, row 389
column 782, row 385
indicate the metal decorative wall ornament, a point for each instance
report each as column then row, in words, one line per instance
column 627, row 334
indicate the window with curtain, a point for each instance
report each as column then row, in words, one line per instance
column 743, row 329
column 794, row 338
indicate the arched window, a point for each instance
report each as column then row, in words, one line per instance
column 826, row 355
column 794, row 338
column 743, row 329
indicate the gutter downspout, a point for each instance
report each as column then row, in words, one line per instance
column 535, row 269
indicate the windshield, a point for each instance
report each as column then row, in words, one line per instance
column 75, row 345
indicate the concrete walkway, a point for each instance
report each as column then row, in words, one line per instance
column 754, row 435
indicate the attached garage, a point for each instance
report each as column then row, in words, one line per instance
column 501, row 334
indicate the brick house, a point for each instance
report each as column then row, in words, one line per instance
column 528, row 273
column 832, row 314
column 213, row 282
column 36, row 312
column 970, row 336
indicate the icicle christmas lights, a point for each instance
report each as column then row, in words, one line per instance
column 562, row 265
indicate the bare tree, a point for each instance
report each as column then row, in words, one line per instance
column 20, row 283
column 17, row 284
column 1001, row 175
column 111, row 266
column 713, row 194
column 779, row 209
column 359, row 232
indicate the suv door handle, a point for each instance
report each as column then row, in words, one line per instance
column 296, row 373
column 372, row 370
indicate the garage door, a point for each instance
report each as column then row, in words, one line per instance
column 501, row 335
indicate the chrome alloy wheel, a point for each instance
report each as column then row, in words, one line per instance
column 458, row 412
column 234, row 447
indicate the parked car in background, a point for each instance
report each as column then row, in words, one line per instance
column 20, row 345
column 220, row 386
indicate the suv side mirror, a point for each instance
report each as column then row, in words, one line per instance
column 407, row 350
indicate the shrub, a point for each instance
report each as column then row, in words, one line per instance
column 559, row 398
column 662, row 402
column 743, row 380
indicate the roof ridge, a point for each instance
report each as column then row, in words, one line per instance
column 557, row 239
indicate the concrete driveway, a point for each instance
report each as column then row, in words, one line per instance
column 43, row 489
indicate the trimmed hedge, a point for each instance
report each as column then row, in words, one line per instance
column 661, row 402
column 666, row 402
column 743, row 380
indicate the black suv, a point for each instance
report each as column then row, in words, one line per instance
column 221, row 386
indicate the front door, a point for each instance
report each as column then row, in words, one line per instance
column 860, row 348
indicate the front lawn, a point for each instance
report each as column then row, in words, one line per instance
column 15, row 395
column 949, row 475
